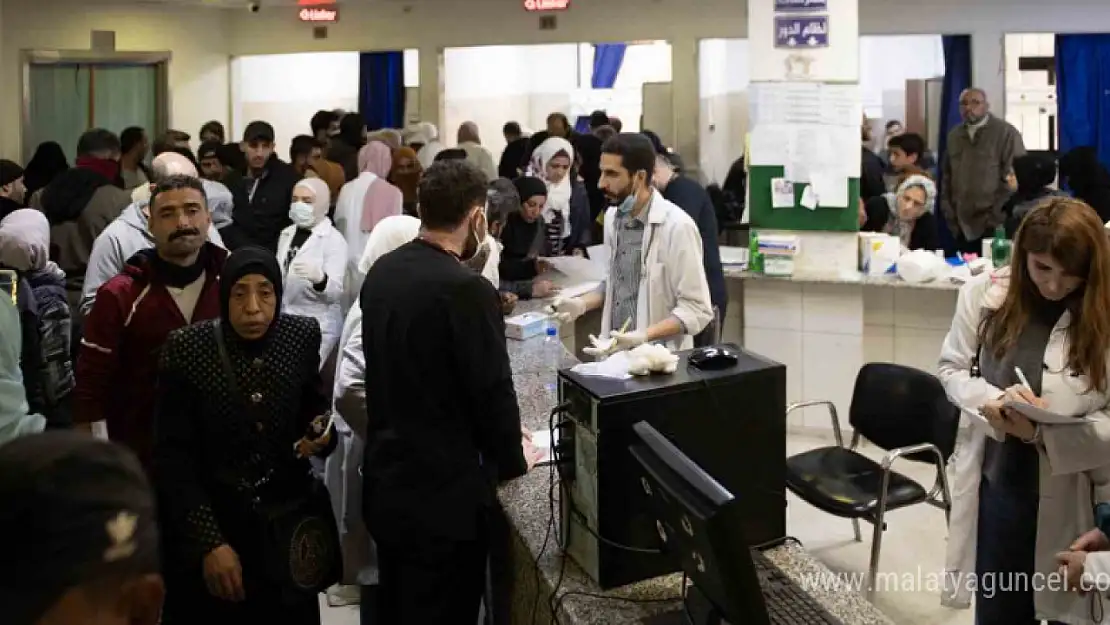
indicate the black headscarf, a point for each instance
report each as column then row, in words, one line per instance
column 529, row 187
column 1088, row 179
column 48, row 161
column 246, row 261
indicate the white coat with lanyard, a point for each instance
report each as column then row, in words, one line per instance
column 325, row 248
column 672, row 277
column 1074, row 459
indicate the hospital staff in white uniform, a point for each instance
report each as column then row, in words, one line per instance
column 313, row 259
column 655, row 288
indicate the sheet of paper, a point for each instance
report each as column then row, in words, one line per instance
column 541, row 439
column 782, row 193
column 841, row 105
column 769, row 145
column 577, row 268
column 574, row 290
column 785, row 103
column 809, row 198
column 831, row 189
column 1044, row 416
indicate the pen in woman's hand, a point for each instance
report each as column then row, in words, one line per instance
column 1021, row 378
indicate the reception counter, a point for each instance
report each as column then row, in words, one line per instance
column 535, row 568
column 825, row 327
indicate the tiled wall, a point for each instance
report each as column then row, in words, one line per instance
column 825, row 332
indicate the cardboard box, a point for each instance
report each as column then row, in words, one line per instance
column 878, row 253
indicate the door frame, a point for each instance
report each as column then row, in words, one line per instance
column 160, row 61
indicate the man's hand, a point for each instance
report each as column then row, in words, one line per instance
column 629, row 340
column 508, row 303
column 542, row 266
column 567, row 310
column 532, row 454
column 223, row 574
column 542, row 289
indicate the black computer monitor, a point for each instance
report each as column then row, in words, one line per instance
column 699, row 523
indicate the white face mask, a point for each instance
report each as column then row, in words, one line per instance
column 302, row 214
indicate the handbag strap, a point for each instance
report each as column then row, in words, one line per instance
column 225, row 362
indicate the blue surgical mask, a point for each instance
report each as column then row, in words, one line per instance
column 628, row 204
column 302, row 214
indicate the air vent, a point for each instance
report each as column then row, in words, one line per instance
column 547, row 22
column 320, row 32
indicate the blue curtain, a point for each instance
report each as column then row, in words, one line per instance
column 608, row 58
column 1083, row 92
column 381, row 89
column 957, row 77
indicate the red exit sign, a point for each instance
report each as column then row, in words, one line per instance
column 317, row 15
column 546, row 5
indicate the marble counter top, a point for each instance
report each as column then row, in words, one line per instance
column 530, row 501
column 847, row 278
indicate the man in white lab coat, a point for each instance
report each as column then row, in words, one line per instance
column 655, row 287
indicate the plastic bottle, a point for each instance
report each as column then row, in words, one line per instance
column 755, row 258
column 1001, row 248
column 553, row 356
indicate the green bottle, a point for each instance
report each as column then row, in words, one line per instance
column 1000, row 248
column 755, row 259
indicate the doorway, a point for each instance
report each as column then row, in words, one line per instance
column 66, row 94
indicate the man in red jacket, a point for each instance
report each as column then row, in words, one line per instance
column 159, row 291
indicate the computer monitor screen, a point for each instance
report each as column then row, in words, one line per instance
column 698, row 522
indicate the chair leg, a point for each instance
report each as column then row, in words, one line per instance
column 876, row 546
column 855, row 528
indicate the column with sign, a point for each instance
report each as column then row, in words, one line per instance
column 803, row 153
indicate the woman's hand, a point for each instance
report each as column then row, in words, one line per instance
column 543, row 289
column 223, row 575
column 1019, row 393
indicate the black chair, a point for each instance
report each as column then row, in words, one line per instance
column 901, row 410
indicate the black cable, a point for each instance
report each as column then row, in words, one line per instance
column 771, row 544
column 685, row 599
column 550, row 503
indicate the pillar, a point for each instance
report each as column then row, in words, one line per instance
column 685, row 100
column 431, row 86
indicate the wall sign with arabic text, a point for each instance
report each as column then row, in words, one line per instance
column 802, row 32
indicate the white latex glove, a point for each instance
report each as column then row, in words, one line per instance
column 566, row 309
column 307, row 271
column 628, row 340
column 600, row 349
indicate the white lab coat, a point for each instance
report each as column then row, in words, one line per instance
column 324, row 248
column 348, row 221
column 1073, row 467
column 672, row 283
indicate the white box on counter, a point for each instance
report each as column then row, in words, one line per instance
column 878, row 252
column 526, row 325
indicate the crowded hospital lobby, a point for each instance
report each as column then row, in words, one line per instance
column 554, row 312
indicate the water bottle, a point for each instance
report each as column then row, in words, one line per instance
column 1001, row 247
column 553, row 357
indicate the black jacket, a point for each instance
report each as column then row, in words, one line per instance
column 688, row 195
column 520, row 245
column 444, row 424
column 871, row 182
column 512, row 157
column 267, row 212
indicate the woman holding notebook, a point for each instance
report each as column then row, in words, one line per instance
column 1038, row 333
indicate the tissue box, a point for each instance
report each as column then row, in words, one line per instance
column 526, row 325
column 878, row 253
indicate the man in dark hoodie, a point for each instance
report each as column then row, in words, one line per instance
column 160, row 290
column 269, row 188
column 343, row 147
column 12, row 191
column 80, row 204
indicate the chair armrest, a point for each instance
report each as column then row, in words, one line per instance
column 832, row 413
column 898, row 452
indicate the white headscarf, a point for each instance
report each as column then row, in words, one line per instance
column 558, row 193
column 319, row 189
column 25, row 240
column 390, row 234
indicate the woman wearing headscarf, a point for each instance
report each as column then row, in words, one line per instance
column 14, row 418
column 312, row 255
column 566, row 214
column 1088, row 179
column 240, row 410
column 425, row 140
column 345, row 146
column 342, row 472
column 476, row 154
column 405, row 175
column 907, row 213
column 364, row 202
column 522, row 241
column 388, row 136
column 48, row 161
column 44, row 309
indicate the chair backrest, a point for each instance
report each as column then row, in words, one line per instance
column 897, row 406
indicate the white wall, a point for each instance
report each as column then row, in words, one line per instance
column 197, row 38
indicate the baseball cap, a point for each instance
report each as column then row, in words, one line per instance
column 259, row 131
column 76, row 510
column 9, row 172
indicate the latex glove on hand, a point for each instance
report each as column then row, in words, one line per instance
column 307, row 271
column 600, row 349
column 566, row 310
column 628, row 340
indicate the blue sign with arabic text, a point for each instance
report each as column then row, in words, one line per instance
column 802, row 32
column 796, row 6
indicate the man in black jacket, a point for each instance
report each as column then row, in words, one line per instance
column 691, row 197
column 269, row 189
column 444, row 423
